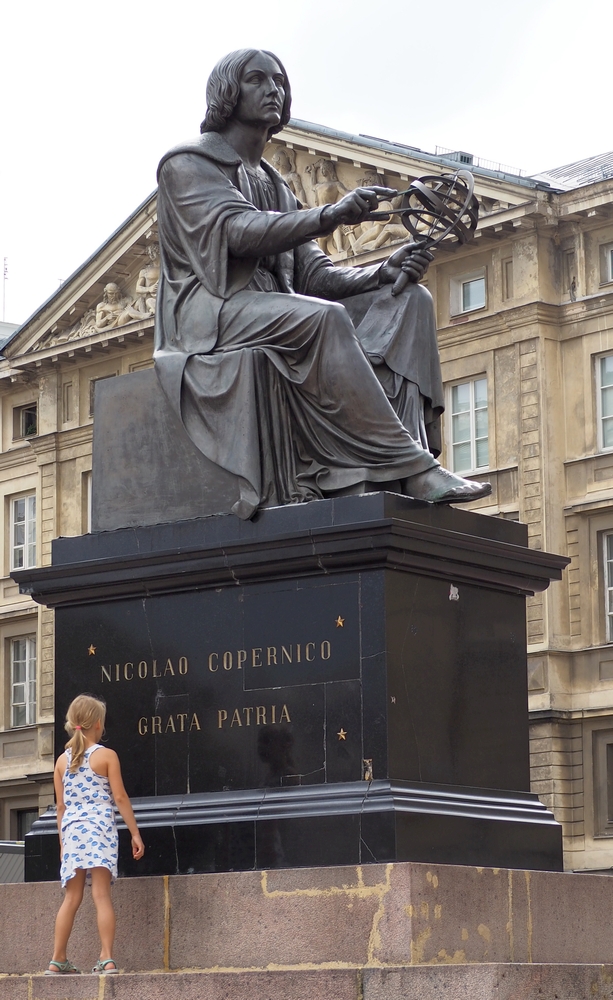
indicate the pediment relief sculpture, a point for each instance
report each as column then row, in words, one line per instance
column 116, row 308
column 284, row 160
column 317, row 182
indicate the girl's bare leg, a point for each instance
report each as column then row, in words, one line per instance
column 101, row 892
column 66, row 915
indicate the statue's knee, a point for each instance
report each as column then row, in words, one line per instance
column 334, row 315
column 421, row 293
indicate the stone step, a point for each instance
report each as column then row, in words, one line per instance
column 447, row 982
column 324, row 918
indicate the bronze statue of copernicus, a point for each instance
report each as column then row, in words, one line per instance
column 301, row 378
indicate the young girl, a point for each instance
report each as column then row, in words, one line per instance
column 88, row 784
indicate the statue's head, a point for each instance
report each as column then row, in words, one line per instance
column 284, row 159
column 372, row 178
column 223, row 90
column 111, row 293
column 327, row 169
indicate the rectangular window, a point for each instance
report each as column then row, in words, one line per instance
column 608, row 581
column 26, row 818
column 92, row 389
column 473, row 294
column 570, row 274
column 67, row 402
column 602, row 760
column 469, row 426
column 605, row 400
column 606, row 263
column 23, row 532
column 23, row 681
column 25, row 421
column 507, row 278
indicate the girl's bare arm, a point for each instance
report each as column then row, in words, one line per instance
column 122, row 801
column 58, row 784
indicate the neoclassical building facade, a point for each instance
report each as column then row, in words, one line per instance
column 525, row 320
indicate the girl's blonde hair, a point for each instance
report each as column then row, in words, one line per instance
column 82, row 715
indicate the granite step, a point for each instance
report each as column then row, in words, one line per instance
column 449, row 982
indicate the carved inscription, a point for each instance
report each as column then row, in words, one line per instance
column 130, row 671
column 259, row 656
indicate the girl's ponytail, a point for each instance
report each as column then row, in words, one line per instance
column 82, row 715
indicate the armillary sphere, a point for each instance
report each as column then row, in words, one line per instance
column 438, row 207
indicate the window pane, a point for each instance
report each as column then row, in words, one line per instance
column 19, row 509
column 461, row 427
column 31, row 505
column 481, row 423
column 460, row 398
column 461, row 457
column 25, row 821
column 606, row 370
column 19, row 672
column 17, row 558
column 481, row 392
column 473, row 294
column 19, row 715
column 19, row 649
column 607, row 401
column 483, row 453
column 607, row 433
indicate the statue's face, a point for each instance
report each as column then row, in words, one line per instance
column 262, row 92
column 112, row 293
column 281, row 161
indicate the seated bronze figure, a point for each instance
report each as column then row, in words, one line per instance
column 301, row 378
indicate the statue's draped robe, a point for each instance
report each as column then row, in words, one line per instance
column 262, row 365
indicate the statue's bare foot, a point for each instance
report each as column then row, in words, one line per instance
column 438, row 485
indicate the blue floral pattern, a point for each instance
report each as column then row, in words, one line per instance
column 89, row 831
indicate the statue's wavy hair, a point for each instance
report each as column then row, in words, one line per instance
column 223, row 88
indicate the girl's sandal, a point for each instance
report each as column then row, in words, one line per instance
column 63, row 969
column 101, row 967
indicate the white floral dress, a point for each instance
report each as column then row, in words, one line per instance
column 89, row 831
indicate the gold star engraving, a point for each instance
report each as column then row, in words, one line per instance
column 340, row 622
column 342, row 735
column 91, row 650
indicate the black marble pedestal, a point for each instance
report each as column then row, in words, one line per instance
column 337, row 682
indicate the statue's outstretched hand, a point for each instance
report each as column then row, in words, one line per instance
column 407, row 264
column 354, row 207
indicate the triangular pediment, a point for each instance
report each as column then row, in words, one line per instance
column 114, row 289
column 112, row 295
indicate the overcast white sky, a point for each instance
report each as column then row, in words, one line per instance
column 93, row 94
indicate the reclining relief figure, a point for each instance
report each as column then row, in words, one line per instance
column 301, row 378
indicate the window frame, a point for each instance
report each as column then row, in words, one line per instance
column 20, row 432
column 607, row 573
column 456, row 292
column 606, row 263
column 474, row 469
column 598, row 358
column 27, row 563
column 30, row 682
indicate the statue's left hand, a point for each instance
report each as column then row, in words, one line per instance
column 411, row 260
